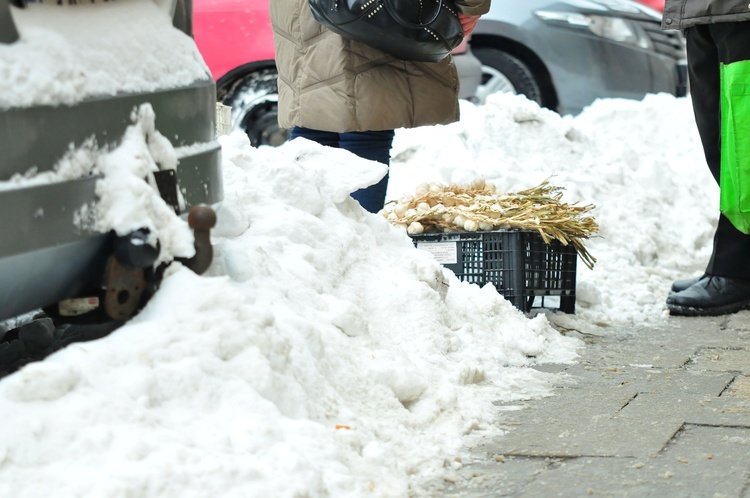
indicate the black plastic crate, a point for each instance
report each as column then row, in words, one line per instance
column 526, row 271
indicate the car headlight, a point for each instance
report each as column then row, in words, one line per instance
column 612, row 28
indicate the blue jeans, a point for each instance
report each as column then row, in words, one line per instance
column 373, row 145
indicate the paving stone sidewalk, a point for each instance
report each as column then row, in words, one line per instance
column 658, row 411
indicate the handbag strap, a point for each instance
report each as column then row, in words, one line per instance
column 408, row 24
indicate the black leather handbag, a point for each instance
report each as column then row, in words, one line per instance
column 412, row 30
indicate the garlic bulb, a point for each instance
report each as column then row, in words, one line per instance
column 422, row 189
column 400, row 209
column 415, row 228
column 471, row 226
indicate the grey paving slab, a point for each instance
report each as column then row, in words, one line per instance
column 700, row 462
column 497, row 476
column 724, row 411
column 598, row 437
column 657, row 411
column 721, row 360
column 644, row 378
column 648, row 354
column 676, row 381
column 739, row 388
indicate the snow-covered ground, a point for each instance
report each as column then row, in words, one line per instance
column 322, row 354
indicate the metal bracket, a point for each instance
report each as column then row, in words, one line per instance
column 124, row 288
column 166, row 182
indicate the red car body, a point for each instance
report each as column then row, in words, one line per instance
column 654, row 4
column 229, row 33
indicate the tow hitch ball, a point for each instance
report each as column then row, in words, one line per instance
column 201, row 219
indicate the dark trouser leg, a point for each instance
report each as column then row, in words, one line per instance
column 373, row 145
column 322, row 137
column 376, row 146
column 708, row 46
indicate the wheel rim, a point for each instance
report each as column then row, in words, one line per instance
column 255, row 110
column 493, row 81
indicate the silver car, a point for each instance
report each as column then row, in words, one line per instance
column 566, row 54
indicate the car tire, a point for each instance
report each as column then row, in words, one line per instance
column 255, row 107
column 501, row 72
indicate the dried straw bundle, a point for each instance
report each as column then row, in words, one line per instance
column 437, row 208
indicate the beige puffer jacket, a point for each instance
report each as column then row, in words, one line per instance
column 329, row 83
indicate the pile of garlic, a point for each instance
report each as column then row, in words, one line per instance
column 454, row 208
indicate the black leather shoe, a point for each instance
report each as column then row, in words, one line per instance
column 681, row 285
column 711, row 296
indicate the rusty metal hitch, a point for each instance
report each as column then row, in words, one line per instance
column 201, row 219
column 128, row 268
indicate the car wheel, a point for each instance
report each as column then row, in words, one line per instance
column 255, row 108
column 501, row 72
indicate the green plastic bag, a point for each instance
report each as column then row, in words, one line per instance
column 735, row 144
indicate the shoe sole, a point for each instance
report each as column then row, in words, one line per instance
column 727, row 309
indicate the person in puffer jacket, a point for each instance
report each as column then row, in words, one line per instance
column 342, row 93
column 717, row 33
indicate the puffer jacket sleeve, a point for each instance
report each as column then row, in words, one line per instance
column 473, row 7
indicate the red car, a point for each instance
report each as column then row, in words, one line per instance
column 654, row 4
column 236, row 41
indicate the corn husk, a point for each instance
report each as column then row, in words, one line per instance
column 440, row 208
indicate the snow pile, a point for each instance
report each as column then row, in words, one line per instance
column 640, row 163
column 321, row 356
